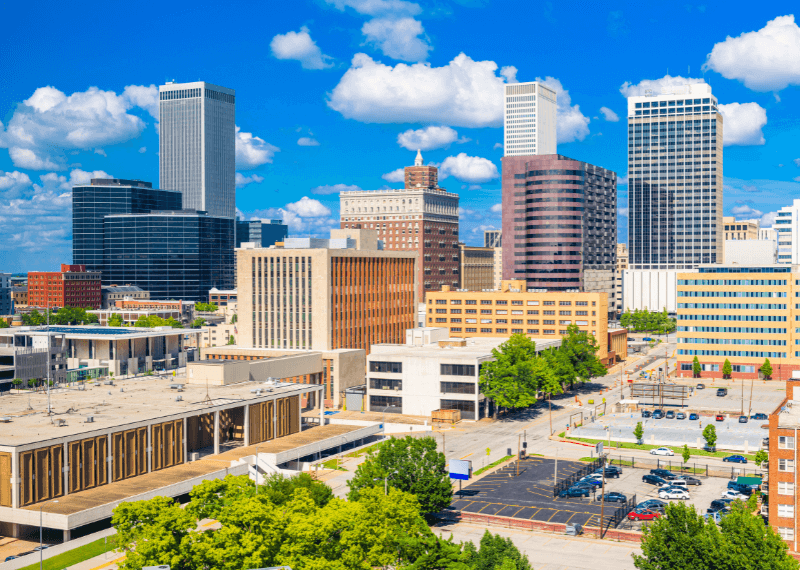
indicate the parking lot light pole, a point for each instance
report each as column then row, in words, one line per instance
column 602, row 496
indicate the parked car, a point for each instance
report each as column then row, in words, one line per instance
column 731, row 494
column 676, row 483
column 743, row 489
column 652, row 504
column 759, row 416
column 613, row 497
column 611, row 471
column 680, row 416
column 715, row 516
column 662, row 451
column 643, row 515
column 664, row 474
column 722, row 392
column 584, row 485
column 742, row 419
column 673, row 493
column 701, row 387
column 670, row 415
column 595, row 481
column 646, row 414
column 719, row 418
column 719, row 504
column 574, row 492
column 653, row 480
column 692, row 480
column 43, row 547
column 658, row 414
column 694, row 417
column 10, row 558
column 734, row 459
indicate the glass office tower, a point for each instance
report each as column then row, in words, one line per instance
column 102, row 197
column 174, row 255
column 675, row 179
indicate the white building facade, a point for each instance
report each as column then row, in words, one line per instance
column 197, row 145
column 787, row 230
column 529, row 119
column 649, row 289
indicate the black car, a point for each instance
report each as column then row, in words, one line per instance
column 610, row 471
column 701, row 387
column 735, row 459
column 654, row 480
column 718, row 505
column 584, row 485
column 692, row 480
column 722, row 392
column 613, row 497
column 670, row 415
column 575, row 492
column 742, row 419
column 658, row 414
column 743, row 489
column 652, row 504
column 758, row 416
column 646, row 414
column 664, row 474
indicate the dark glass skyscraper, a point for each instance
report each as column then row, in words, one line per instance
column 174, row 255
column 102, row 197
column 261, row 233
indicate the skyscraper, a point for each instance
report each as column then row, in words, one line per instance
column 197, row 144
column 530, row 119
column 675, row 179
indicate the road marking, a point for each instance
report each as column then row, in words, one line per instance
column 554, row 514
column 109, row 563
column 468, row 455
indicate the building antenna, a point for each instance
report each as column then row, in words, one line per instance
column 207, row 399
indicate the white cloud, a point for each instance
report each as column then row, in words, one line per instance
column 304, row 217
column 49, row 123
column 571, row 124
column 463, row 93
column 143, row 96
column 471, row 169
column 768, row 219
column 378, row 7
column 497, row 209
column 252, row 151
column 397, row 38
column 765, row 60
column 497, row 145
column 742, row 124
column 743, row 211
column 398, row 175
column 334, row 188
column 609, row 115
column 101, row 152
column 242, row 180
column 622, row 212
column 797, row 162
column 143, row 150
column 52, row 182
column 429, row 138
column 13, row 183
column 665, row 84
column 309, row 208
column 299, row 46
column 307, row 141
column 622, row 180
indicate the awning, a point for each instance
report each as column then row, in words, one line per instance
column 749, row 481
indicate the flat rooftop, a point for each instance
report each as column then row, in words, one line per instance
column 476, row 347
column 97, row 332
column 789, row 414
column 126, row 402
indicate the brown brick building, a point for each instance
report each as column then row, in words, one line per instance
column 784, row 423
column 73, row 286
column 420, row 217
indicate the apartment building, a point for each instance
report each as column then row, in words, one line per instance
column 781, row 482
column 113, row 293
column 477, row 267
column 73, row 286
column 740, row 313
column 513, row 309
column 346, row 292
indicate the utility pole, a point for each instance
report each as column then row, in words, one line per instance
column 49, row 410
column 742, row 396
column 750, row 403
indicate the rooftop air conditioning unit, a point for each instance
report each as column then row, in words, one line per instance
column 60, row 422
column 89, row 419
column 178, row 398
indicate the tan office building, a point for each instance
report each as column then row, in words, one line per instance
column 513, row 310
column 477, row 267
column 742, row 314
column 740, row 229
column 326, row 294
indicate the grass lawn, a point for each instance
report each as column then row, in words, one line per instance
column 77, row 555
column 495, row 464
column 677, row 449
column 334, row 464
column 361, row 452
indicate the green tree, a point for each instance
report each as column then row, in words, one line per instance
column 495, row 553
column 4, row 324
column 198, row 323
column 115, row 321
column 727, row 369
column 152, row 321
column 412, row 465
column 512, row 380
column 234, row 318
column 638, row 432
column 685, row 455
column 560, row 364
column 34, row 319
column 231, row 340
column 581, row 347
column 710, row 435
column 16, row 382
column 761, row 457
column 766, row 369
column 696, row 367
column 32, row 382
column 205, row 307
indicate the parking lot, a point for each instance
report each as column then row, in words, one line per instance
column 530, row 495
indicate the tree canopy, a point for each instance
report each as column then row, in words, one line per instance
column 64, row 316
column 410, row 464
column 4, row 324
column 115, row 321
column 683, row 540
column 205, row 307
column 152, row 321
column 642, row 320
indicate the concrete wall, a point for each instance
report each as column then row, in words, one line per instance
column 649, row 289
column 349, row 367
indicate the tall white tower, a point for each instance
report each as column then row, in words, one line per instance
column 197, row 145
column 530, row 119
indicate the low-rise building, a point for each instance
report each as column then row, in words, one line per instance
column 217, row 335
column 73, row 286
column 781, row 478
column 130, row 316
column 113, row 293
column 477, row 267
column 24, row 356
column 221, row 298
column 432, row 371
column 19, row 296
column 740, row 229
column 513, row 309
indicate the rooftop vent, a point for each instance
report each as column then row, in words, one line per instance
column 5, row 419
column 178, row 398
column 60, row 422
column 89, row 419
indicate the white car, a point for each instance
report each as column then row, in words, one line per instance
column 662, row 451
column 731, row 494
column 673, row 493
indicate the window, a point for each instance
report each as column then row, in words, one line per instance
column 486, row 330
column 501, row 331
column 581, row 303
column 533, row 331
column 533, row 321
column 501, row 321
column 785, row 488
column 470, row 302
column 548, row 303
column 501, row 312
column 486, row 301
column 471, row 311
column 565, row 323
column 582, row 323
column 392, row 367
column 785, row 442
column 385, row 384
column 470, row 330
column 565, row 303
column 786, row 465
column 548, row 322
column 457, row 387
column 455, row 301
column 486, row 321
column 467, row 407
column 549, row 313
column 787, row 533
column 786, row 511
column 516, row 321
column 581, row 313
column 455, row 329
column 439, row 320
column 549, row 331
column 455, row 311
column 533, row 312
column 565, row 313
column 533, row 303
column 441, row 301
column 386, row 404
column 441, row 311
column 517, row 312
column 455, row 320
column 516, row 302
column 500, row 302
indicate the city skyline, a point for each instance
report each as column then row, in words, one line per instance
column 318, row 130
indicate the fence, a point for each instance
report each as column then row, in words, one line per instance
column 571, row 479
column 620, row 514
column 702, row 469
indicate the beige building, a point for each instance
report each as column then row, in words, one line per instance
column 622, row 265
column 745, row 314
column 477, row 267
column 217, row 335
column 20, row 296
column 512, row 310
column 740, row 229
column 313, row 294
column 498, row 267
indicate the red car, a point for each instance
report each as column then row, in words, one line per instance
column 720, row 418
column 643, row 515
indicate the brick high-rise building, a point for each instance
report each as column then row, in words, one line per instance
column 420, row 217
column 73, row 286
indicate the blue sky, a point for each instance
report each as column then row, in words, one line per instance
column 338, row 93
